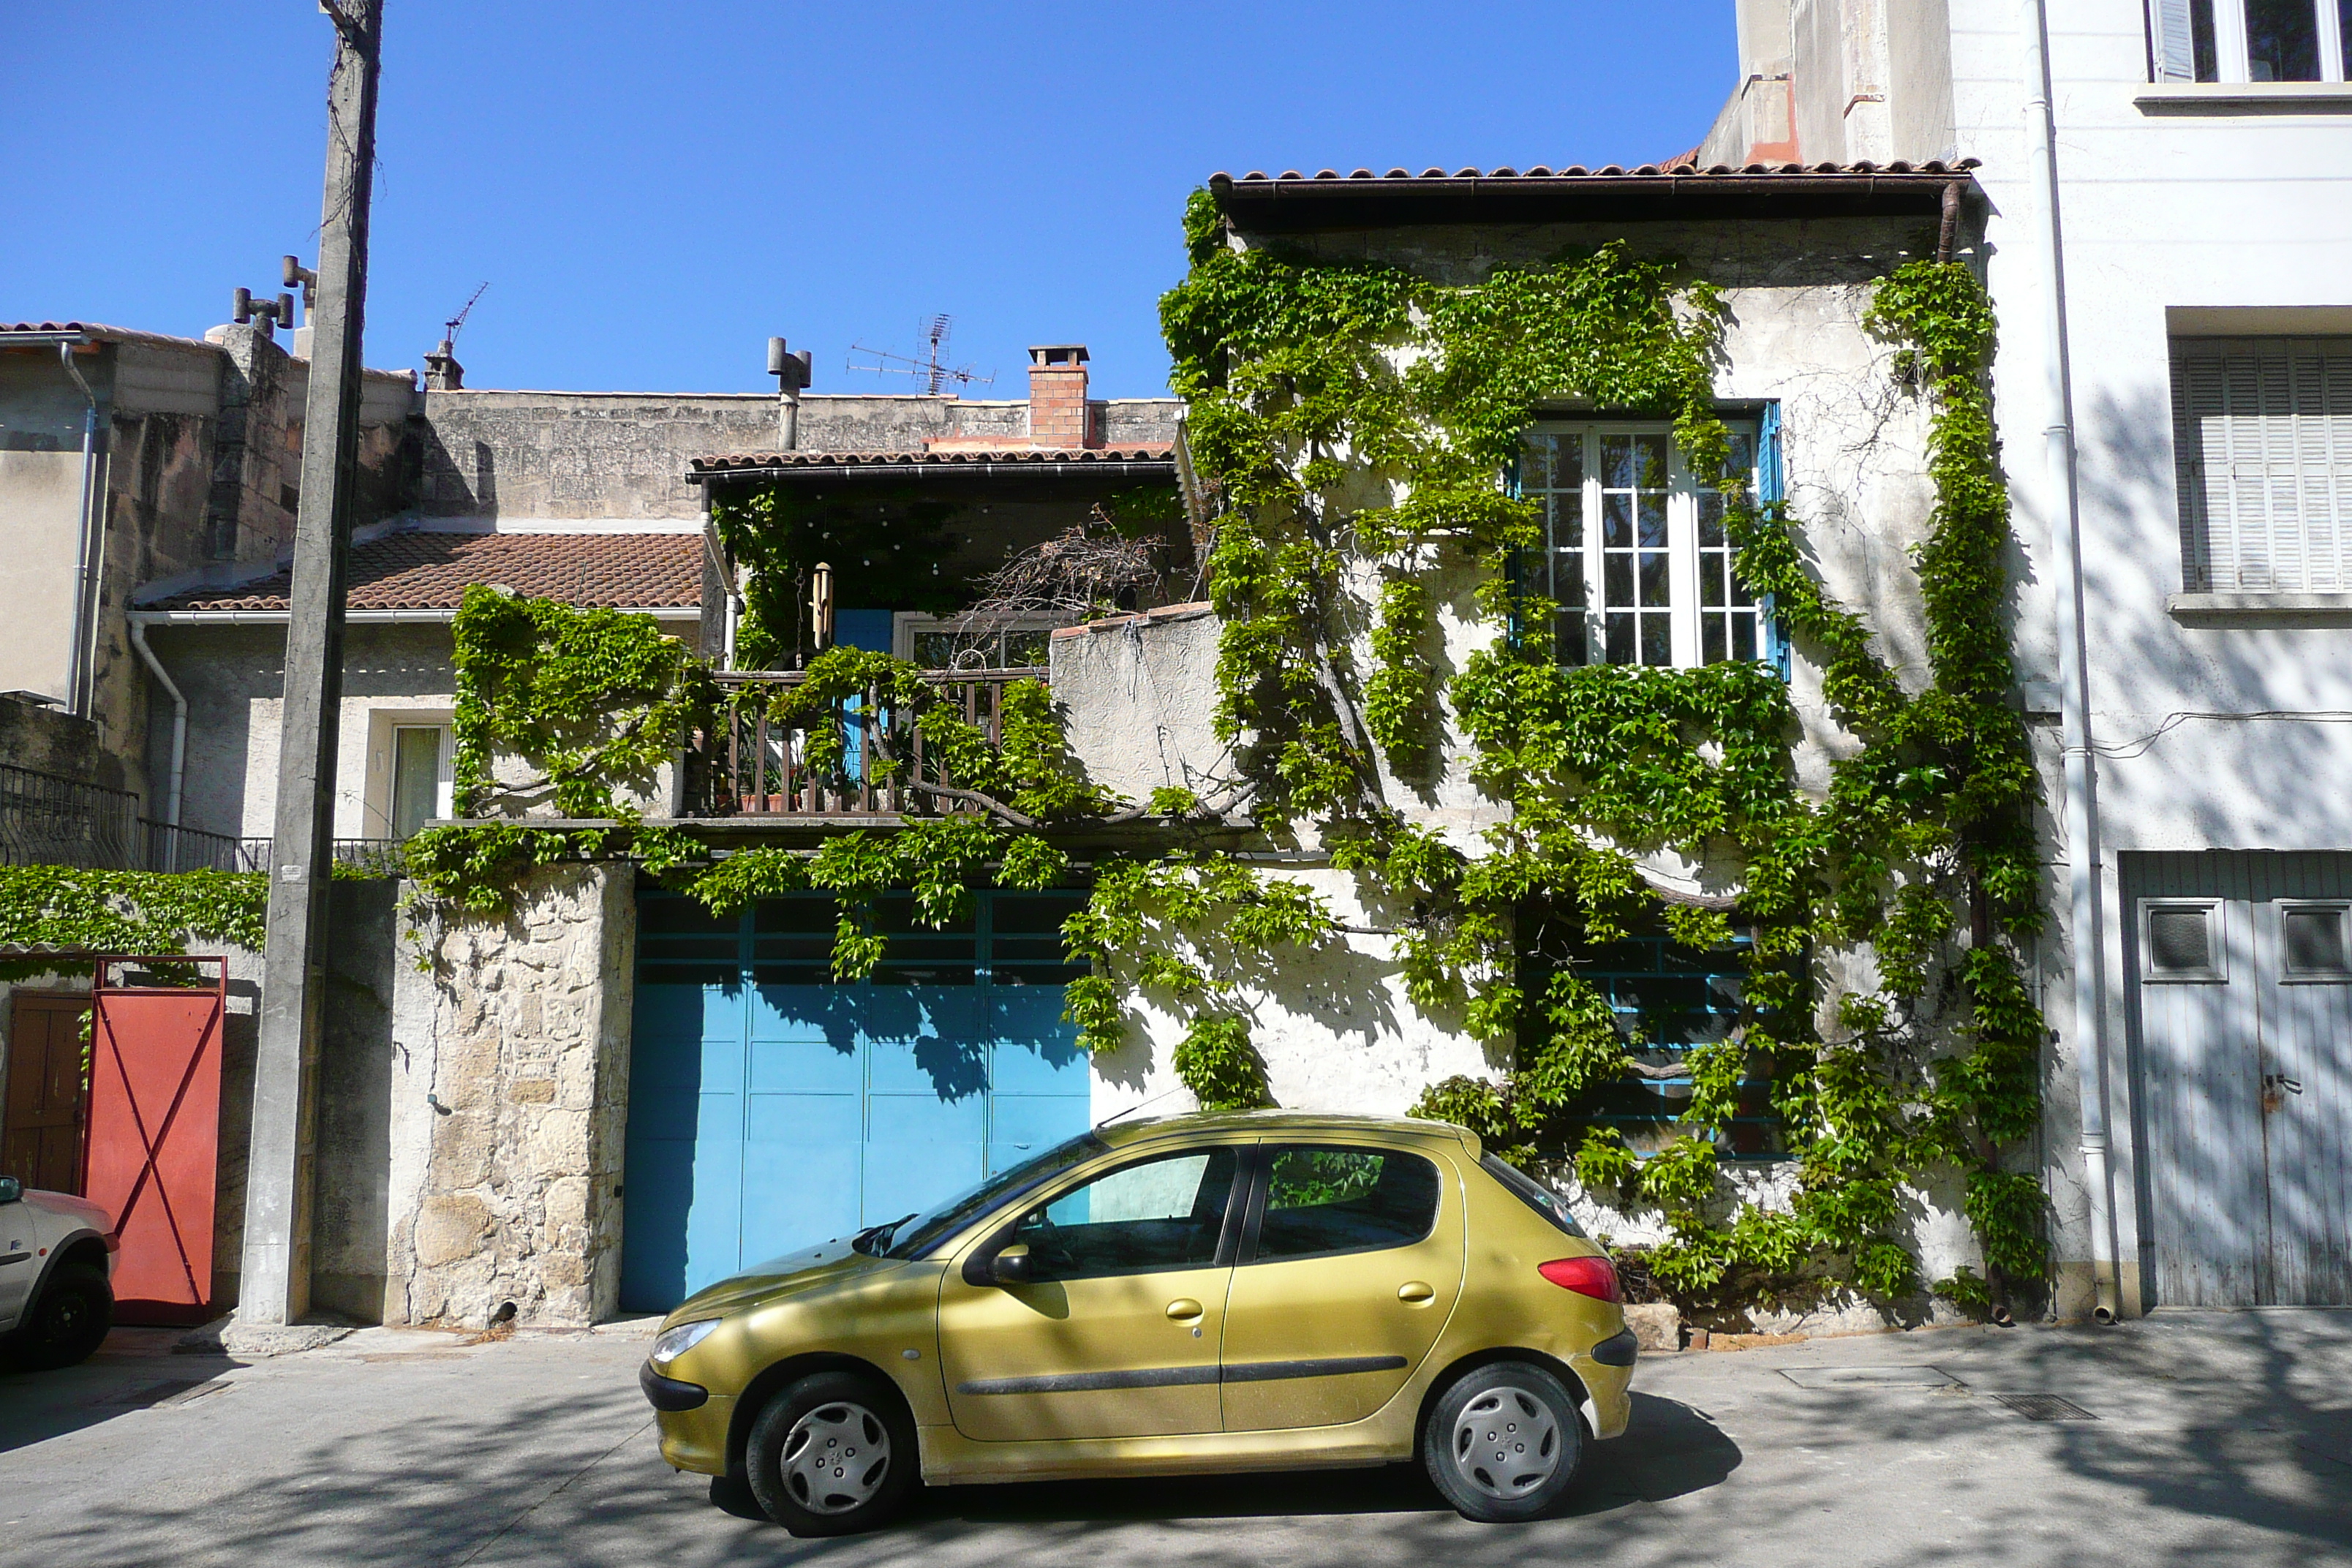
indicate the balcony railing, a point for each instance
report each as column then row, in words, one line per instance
column 751, row 765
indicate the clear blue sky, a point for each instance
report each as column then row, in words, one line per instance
column 652, row 190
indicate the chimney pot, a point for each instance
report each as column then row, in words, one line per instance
column 442, row 371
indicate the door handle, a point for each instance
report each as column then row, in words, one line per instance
column 2278, row 1081
column 1183, row 1309
column 1414, row 1292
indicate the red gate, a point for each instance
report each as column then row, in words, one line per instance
column 154, row 1143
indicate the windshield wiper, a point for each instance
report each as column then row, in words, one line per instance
column 878, row 1235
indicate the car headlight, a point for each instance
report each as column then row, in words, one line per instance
column 672, row 1343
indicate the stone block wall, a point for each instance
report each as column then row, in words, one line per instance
column 509, row 1107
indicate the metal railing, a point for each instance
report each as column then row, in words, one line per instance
column 49, row 820
column 171, row 848
column 752, row 765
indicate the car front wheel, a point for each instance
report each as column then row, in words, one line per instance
column 70, row 1320
column 832, row 1454
column 1503, row 1442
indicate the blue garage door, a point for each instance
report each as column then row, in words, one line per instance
column 770, row 1108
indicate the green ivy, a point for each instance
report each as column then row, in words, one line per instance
column 132, row 912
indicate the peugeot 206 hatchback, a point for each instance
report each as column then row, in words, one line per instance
column 1212, row 1293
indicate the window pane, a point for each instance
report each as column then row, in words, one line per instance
column 1653, row 522
column 1617, row 461
column 933, row 651
column 1710, row 579
column 2200, row 29
column 1650, row 453
column 1654, row 578
column 1621, row 639
column 1711, row 629
column 1024, row 648
column 2177, row 941
column 1657, row 640
column 1617, row 579
column 2315, row 942
column 416, row 778
column 2282, row 40
column 1710, row 520
column 1321, row 1200
column 1569, row 637
column 1163, row 1213
column 1617, row 520
column 1743, row 636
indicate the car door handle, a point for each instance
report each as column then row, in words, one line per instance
column 1183, row 1309
column 1415, row 1292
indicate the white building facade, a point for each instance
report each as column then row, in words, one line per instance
column 2168, row 241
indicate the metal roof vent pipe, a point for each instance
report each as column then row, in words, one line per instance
column 442, row 371
column 792, row 373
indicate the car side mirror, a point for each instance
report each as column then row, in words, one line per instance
column 11, row 1190
column 1010, row 1267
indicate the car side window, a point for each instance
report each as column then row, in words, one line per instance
column 1155, row 1214
column 1325, row 1200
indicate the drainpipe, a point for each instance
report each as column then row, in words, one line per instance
column 179, row 736
column 85, row 632
column 2086, row 925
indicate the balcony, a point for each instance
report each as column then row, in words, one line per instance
column 750, row 767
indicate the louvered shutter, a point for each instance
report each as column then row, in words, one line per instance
column 2176, row 48
column 2262, row 440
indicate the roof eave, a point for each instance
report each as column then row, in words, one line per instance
column 1307, row 205
column 1127, row 468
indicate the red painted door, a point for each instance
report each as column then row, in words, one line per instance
column 154, row 1129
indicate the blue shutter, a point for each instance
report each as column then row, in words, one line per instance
column 1770, row 491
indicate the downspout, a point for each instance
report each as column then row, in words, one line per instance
column 84, row 633
column 179, row 736
column 2085, row 924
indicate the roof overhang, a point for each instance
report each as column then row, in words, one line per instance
column 1292, row 203
column 416, row 618
column 904, row 467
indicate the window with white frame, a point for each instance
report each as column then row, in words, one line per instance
column 1636, row 555
column 2249, row 40
column 948, row 642
column 2263, row 445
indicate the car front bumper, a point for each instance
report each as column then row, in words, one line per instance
column 694, row 1421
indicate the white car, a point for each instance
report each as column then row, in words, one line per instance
column 57, row 1257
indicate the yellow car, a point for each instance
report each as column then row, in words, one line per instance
column 1264, row 1290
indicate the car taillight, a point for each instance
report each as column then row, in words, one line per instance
column 1595, row 1276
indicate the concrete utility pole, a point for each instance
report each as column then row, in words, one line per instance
column 274, row 1289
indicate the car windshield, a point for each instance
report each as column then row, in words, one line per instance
column 916, row 1235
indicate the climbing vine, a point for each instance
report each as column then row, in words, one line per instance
column 1359, row 423
column 137, row 912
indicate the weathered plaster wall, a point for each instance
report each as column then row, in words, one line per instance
column 609, row 455
column 509, row 1103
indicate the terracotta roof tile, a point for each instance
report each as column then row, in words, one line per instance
column 424, row 570
column 1106, row 456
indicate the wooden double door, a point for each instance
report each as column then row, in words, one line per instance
column 47, row 1101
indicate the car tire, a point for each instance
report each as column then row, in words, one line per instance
column 68, row 1321
column 1503, row 1442
column 832, row 1453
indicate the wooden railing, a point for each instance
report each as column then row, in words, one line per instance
column 752, row 765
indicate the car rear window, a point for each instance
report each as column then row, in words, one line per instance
column 1538, row 1197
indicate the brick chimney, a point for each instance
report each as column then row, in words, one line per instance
column 1058, row 415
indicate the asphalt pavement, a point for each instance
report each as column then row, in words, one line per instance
column 2185, row 1438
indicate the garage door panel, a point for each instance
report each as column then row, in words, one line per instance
column 804, row 1067
column 1021, row 1125
column 919, row 1149
column 800, row 1174
column 828, row 1014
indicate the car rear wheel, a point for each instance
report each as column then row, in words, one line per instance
column 70, row 1320
column 1503, row 1442
column 832, row 1454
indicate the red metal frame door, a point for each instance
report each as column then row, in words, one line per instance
column 154, row 1146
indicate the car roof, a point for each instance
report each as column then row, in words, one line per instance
column 1118, row 1134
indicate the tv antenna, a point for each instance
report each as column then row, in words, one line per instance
column 457, row 324
column 933, row 368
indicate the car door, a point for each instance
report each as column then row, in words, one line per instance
column 1117, row 1331
column 1349, row 1266
column 21, row 1243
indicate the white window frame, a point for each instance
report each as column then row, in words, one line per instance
column 2288, row 974
column 908, row 624
column 2216, row 972
column 1684, row 554
column 2171, row 32
column 380, row 800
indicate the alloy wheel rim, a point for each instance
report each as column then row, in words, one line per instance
column 1506, row 1443
column 836, row 1458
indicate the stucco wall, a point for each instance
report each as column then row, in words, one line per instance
column 509, row 1103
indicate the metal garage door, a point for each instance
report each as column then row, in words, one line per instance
column 2241, row 979
column 771, row 1107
